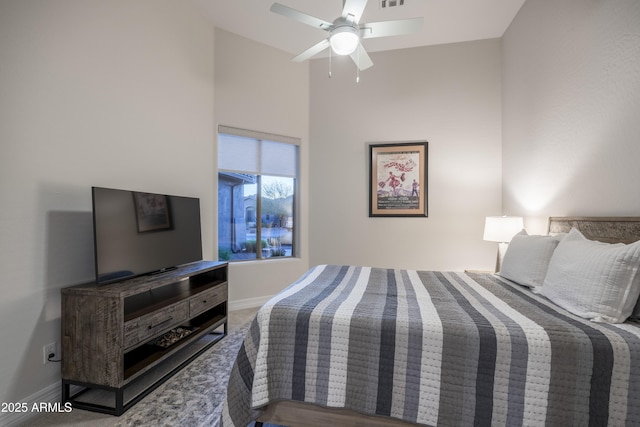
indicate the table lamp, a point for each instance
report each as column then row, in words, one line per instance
column 501, row 229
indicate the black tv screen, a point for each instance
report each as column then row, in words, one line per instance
column 138, row 233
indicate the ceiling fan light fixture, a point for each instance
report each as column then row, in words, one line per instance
column 344, row 40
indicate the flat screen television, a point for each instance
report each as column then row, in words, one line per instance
column 138, row 233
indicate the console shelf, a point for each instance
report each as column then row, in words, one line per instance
column 121, row 340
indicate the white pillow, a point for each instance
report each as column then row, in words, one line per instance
column 594, row 280
column 527, row 258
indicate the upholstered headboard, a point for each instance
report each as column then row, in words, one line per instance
column 603, row 229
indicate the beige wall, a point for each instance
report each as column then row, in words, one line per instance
column 259, row 88
column 107, row 93
column 448, row 95
column 571, row 99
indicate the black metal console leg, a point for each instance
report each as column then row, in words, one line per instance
column 66, row 391
column 120, row 402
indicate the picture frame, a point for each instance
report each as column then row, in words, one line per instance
column 398, row 179
column 152, row 212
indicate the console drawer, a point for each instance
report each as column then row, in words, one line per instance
column 207, row 299
column 145, row 327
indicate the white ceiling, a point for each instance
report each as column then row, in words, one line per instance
column 445, row 21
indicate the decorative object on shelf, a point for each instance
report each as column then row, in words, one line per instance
column 501, row 229
column 173, row 336
column 398, row 179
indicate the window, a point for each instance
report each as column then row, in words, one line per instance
column 257, row 189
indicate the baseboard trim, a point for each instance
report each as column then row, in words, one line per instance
column 248, row 303
column 49, row 394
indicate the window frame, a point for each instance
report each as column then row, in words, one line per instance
column 260, row 137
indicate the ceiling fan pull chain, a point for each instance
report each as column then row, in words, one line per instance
column 329, row 63
column 358, row 66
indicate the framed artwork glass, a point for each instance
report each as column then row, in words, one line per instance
column 398, row 179
column 152, row 212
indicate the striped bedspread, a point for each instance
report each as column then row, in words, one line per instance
column 434, row 348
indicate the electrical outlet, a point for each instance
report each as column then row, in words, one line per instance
column 47, row 350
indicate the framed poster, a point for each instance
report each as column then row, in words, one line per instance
column 398, row 179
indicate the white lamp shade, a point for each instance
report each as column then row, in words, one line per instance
column 344, row 40
column 502, row 228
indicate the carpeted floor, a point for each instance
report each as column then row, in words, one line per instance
column 193, row 397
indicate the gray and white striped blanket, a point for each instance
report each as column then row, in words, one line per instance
column 434, row 348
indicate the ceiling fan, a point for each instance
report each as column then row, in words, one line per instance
column 346, row 31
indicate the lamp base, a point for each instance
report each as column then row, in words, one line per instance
column 502, row 249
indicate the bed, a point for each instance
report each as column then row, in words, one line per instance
column 348, row 345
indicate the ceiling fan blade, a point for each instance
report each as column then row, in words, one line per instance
column 301, row 17
column 354, row 8
column 361, row 58
column 317, row 48
column 390, row 28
